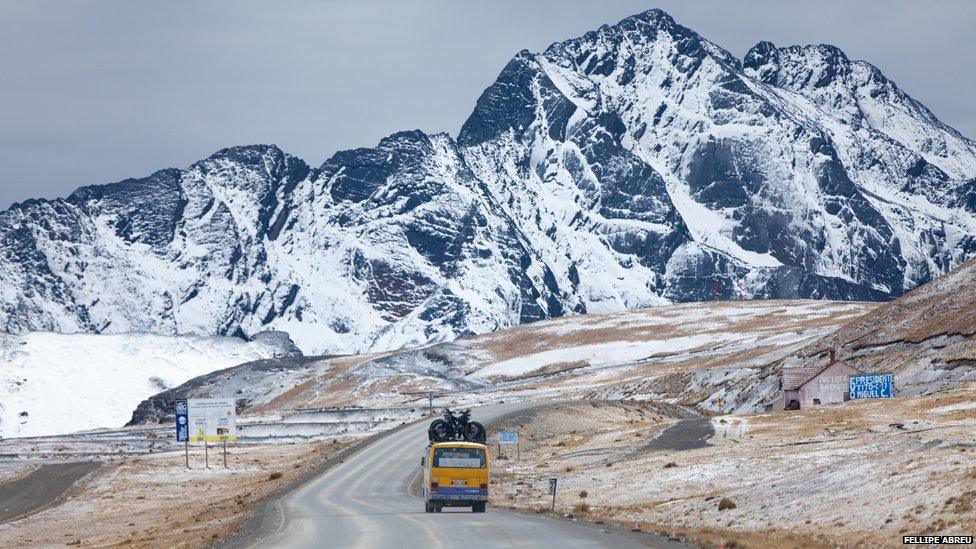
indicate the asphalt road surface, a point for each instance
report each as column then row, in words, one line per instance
column 40, row 488
column 686, row 434
column 366, row 502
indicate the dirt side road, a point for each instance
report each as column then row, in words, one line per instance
column 41, row 488
column 687, row 434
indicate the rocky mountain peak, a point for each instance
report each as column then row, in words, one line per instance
column 762, row 62
column 635, row 165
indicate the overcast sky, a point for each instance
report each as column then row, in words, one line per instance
column 97, row 91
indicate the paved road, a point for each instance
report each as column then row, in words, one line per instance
column 365, row 502
column 40, row 488
column 686, row 434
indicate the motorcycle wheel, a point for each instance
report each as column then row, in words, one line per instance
column 474, row 432
column 440, row 431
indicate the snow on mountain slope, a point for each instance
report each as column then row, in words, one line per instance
column 379, row 247
column 700, row 169
column 59, row 383
column 637, row 165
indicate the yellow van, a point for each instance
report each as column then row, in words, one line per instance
column 455, row 475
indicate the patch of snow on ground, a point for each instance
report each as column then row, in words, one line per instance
column 59, row 383
column 730, row 427
column 954, row 408
column 599, row 355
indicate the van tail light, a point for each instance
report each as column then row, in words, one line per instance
column 484, row 488
column 433, row 486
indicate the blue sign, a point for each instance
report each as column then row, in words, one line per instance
column 182, row 412
column 507, row 437
column 872, row 385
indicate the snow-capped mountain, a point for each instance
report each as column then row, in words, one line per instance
column 635, row 165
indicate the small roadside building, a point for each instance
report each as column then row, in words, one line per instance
column 817, row 384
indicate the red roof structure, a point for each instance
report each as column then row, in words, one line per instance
column 794, row 378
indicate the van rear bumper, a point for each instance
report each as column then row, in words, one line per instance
column 457, row 497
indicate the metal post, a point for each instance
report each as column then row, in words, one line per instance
column 206, row 455
column 225, row 452
column 186, row 452
column 430, row 401
column 553, row 508
column 518, row 450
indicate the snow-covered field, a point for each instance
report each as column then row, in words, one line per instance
column 59, row 383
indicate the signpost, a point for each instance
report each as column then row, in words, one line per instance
column 509, row 437
column 182, row 427
column 430, row 397
column 880, row 385
column 206, row 420
column 552, row 490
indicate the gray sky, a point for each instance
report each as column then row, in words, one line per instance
column 97, row 91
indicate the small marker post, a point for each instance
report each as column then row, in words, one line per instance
column 552, row 490
column 224, row 439
column 206, row 454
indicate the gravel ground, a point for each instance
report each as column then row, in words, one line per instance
column 154, row 501
column 863, row 473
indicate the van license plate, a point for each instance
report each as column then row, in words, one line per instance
column 459, row 483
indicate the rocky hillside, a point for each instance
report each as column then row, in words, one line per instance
column 927, row 337
column 637, row 165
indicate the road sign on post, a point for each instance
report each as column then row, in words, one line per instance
column 212, row 419
column 880, row 385
column 509, row 437
column 205, row 419
column 181, row 411
column 552, row 490
column 182, row 420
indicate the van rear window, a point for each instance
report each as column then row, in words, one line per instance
column 459, row 457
